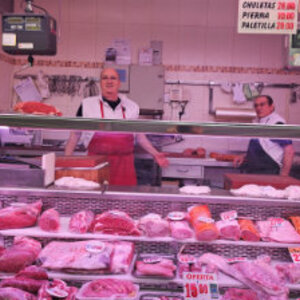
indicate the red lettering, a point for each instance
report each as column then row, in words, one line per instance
column 281, row 16
column 281, row 5
column 289, row 26
column 187, row 289
column 203, row 289
column 280, row 25
column 291, row 5
column 290, row 16
column 194, row 291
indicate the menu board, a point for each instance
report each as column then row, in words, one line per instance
column 268, row 16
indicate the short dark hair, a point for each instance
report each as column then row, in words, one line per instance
column 269, row 98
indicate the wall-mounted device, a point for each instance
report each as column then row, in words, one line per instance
column 293, row 50
column 29, row 33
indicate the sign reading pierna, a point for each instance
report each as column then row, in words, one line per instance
column 268, row 16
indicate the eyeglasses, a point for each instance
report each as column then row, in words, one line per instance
column 260, row 104
column 109, row 78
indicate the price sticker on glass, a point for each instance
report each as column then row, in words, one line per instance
column 200, row 286
column 295, row 255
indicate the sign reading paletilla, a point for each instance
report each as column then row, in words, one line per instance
column 268, row 16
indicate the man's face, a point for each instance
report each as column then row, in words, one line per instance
column 110, row 84
column 262, row 107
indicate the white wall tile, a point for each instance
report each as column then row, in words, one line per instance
column 193, row 13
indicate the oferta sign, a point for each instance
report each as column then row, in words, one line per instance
column 268, row 16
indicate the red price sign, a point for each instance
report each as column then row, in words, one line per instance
column 295, row 255
column 200, row 286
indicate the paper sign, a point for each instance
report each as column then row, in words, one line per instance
column 295, row 255
column 200, row 286
column 229, row 215
column 206, row 220
column 27, row 91
column 276, row 222
column 186, row 258
column 268, row 16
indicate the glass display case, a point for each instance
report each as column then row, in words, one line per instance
column 247, row 247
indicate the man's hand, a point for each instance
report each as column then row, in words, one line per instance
column 161, row 159
column 238, row 160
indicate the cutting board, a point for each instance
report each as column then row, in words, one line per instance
column 79, row 161
column 235, row 181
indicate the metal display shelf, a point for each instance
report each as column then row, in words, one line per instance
column 150, row 126
column 65, row 234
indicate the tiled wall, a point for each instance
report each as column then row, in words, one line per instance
column 199, row 36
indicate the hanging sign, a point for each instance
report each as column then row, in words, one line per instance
column 200, row 286
column 268, row 16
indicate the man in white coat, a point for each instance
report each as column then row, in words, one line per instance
column 267, row 156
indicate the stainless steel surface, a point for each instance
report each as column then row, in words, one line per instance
column 151, row 126
column 206, row 162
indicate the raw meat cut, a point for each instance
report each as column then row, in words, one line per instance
column 229, row 229
column 163, row 267
column 33, row 272
column 248, row 231
column 81, row 221
column 278, row 230
column 49, row 220
column 9, row 293
column 55, row 290
column 23, row 252
column 203, row 224
column 26, row 284
column 114, row 222
column 122, row 257
column 153, row 225
column 257, row 275
column 106, row 288
column 264, row 276
column 239, row 294
column 201, row 152
column 181, row 230
column 20, row 215
column 222, row 157
column 91, row 255
column 289, row 271
column 188, row 152
column 36, row 108
column 29, row 279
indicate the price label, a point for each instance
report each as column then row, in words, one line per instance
column 295, row 255
column 206, row 220
column 276, row 222
column 233, row 260
column 57, row 292
column 186, row 258
column 95, row 247
column 200, row 286
column 176, row 216
column 268, row 16
column 229, row 215
column 152, row 260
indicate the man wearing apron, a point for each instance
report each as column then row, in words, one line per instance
column 117, row 146
column 267, row 156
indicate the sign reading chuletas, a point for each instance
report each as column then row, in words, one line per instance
column 268, row 16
